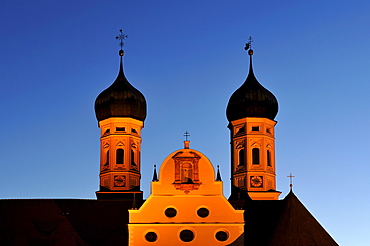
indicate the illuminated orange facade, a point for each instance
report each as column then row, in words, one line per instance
column 253, row 157
column 186, row 206
column 120, row 143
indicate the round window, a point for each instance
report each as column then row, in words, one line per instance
column 151, row 236
column 170, row 212
column 186, row 236
column 203, row 212
column 222, row 236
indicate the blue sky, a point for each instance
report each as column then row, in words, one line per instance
column 187, row 58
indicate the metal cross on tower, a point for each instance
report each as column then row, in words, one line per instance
column 249, row 44
column 121, row 37
column 186, row 135
column 291, row 180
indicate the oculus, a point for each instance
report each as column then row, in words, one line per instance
column 187, row 236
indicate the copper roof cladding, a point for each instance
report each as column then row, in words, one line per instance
column 120, row 99
column 251, row 99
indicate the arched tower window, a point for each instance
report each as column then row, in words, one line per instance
column 255, row 156
column 269, row 158
column 107, row 158
column 119, row 156
column 187, row 173
column 242, row 157
column 133, row 163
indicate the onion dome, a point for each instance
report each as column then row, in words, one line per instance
column 251, row 99
column 120, row 99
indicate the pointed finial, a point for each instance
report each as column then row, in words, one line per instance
column 291, row 180
column 248, row 46
column 218, row 177
column 121, row 38
column 155, row 177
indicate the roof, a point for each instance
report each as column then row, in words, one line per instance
column 284, row 222
column 73, row 222
column 120, row 99
column 63, row 222
column 297, row 226
column 251, row 99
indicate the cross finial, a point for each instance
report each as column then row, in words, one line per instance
column 249, row 44
column 121, row 38
column 186, row 135
column 291, row 180
column 186, row 142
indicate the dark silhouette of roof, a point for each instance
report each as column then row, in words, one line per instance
column 297, row 226
column 251, row 99
column 282, row 223
column 120, row 99
column 79, row 222
column 64, row 222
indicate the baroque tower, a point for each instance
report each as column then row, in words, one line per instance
column 120, row 110
column 251, row 112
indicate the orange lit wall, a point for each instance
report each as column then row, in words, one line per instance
column 186, row 206
column 253, row 157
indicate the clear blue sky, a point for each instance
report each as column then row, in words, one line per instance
column 187, row 58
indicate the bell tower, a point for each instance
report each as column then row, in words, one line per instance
column 251, row 111
column 120, row 111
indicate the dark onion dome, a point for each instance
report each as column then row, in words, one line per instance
column 120, row 99
column 251, row 99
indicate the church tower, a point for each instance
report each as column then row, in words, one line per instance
column 120, row 110
column 251, row 112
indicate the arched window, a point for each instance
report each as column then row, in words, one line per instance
column 255, row 156
column 187, row 173
column 107, row 158
column 119, row 156
column 242, row 157
column 269, row 158
column 133, row 163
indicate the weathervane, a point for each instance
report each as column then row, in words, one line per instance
column 121, row 38
column 186, row 135
column 248, row 46
column 291, row 180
